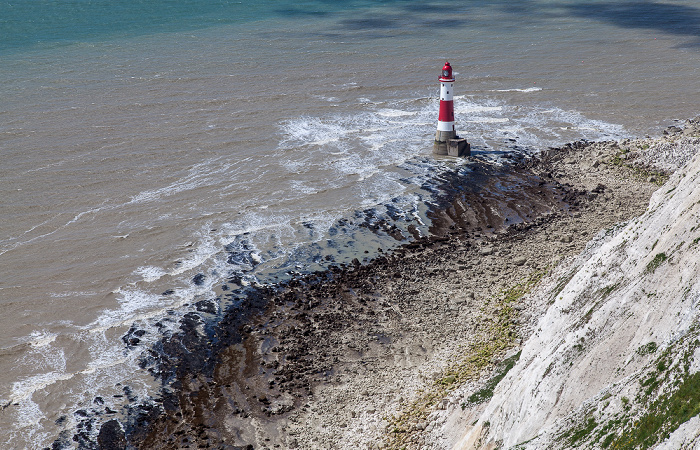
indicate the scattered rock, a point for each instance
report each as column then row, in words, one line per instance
column 519, row 261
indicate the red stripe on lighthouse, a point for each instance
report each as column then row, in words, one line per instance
column 446, row 111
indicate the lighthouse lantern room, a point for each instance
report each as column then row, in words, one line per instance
column 446, row 133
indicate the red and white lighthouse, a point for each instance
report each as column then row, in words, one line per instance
column 446, row 119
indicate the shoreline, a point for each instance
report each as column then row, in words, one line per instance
column 348, row 357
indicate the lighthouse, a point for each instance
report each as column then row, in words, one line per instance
column 446, row 140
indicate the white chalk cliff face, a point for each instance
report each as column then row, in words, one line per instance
column 615, row 360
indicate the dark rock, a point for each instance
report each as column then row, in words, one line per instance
column 111, row 436
column 206, row 306
column 199, row 279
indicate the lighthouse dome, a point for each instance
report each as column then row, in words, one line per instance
column 446, row 72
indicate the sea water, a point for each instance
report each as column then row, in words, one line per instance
column 145, row 143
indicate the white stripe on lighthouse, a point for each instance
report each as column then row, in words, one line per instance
column 446, row 91
column 445, row 126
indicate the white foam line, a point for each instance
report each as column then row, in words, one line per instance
column 530, row 89
column 150, row 273
column 30, row 230
column 487, row 120
column 42, row 339
column 191, row 181
column 194, row 179
column 73, row 220
column 396, row 113
column 73, row 294
column 23, row 390
column 126, row 322
column 253, row 228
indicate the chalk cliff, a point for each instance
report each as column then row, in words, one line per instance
column 614, row 362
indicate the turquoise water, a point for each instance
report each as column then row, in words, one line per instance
column 35, row 24
column 143, row 141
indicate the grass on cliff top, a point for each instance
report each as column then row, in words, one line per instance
column 497, row 339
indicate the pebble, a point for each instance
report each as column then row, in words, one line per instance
column 486, row 251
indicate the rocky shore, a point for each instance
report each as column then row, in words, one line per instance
column 374, row 355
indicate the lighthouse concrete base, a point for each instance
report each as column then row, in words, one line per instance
column 441, row 139
column 458, row 147
column 448, row 143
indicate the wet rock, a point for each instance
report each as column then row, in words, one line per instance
column 132, row 337
column 111, row 436
column 199, row 279
column 206, row 306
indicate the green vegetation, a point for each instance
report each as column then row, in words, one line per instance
column 654, row 264
column 486, row 392
column 647, row 349
column 448, row 380
column 608, row 440
column 587, row 317
column 669, row 396
column 620, row 160
column 563, row 281
column 664, row 416
column 607, row 290
column 576, row 434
